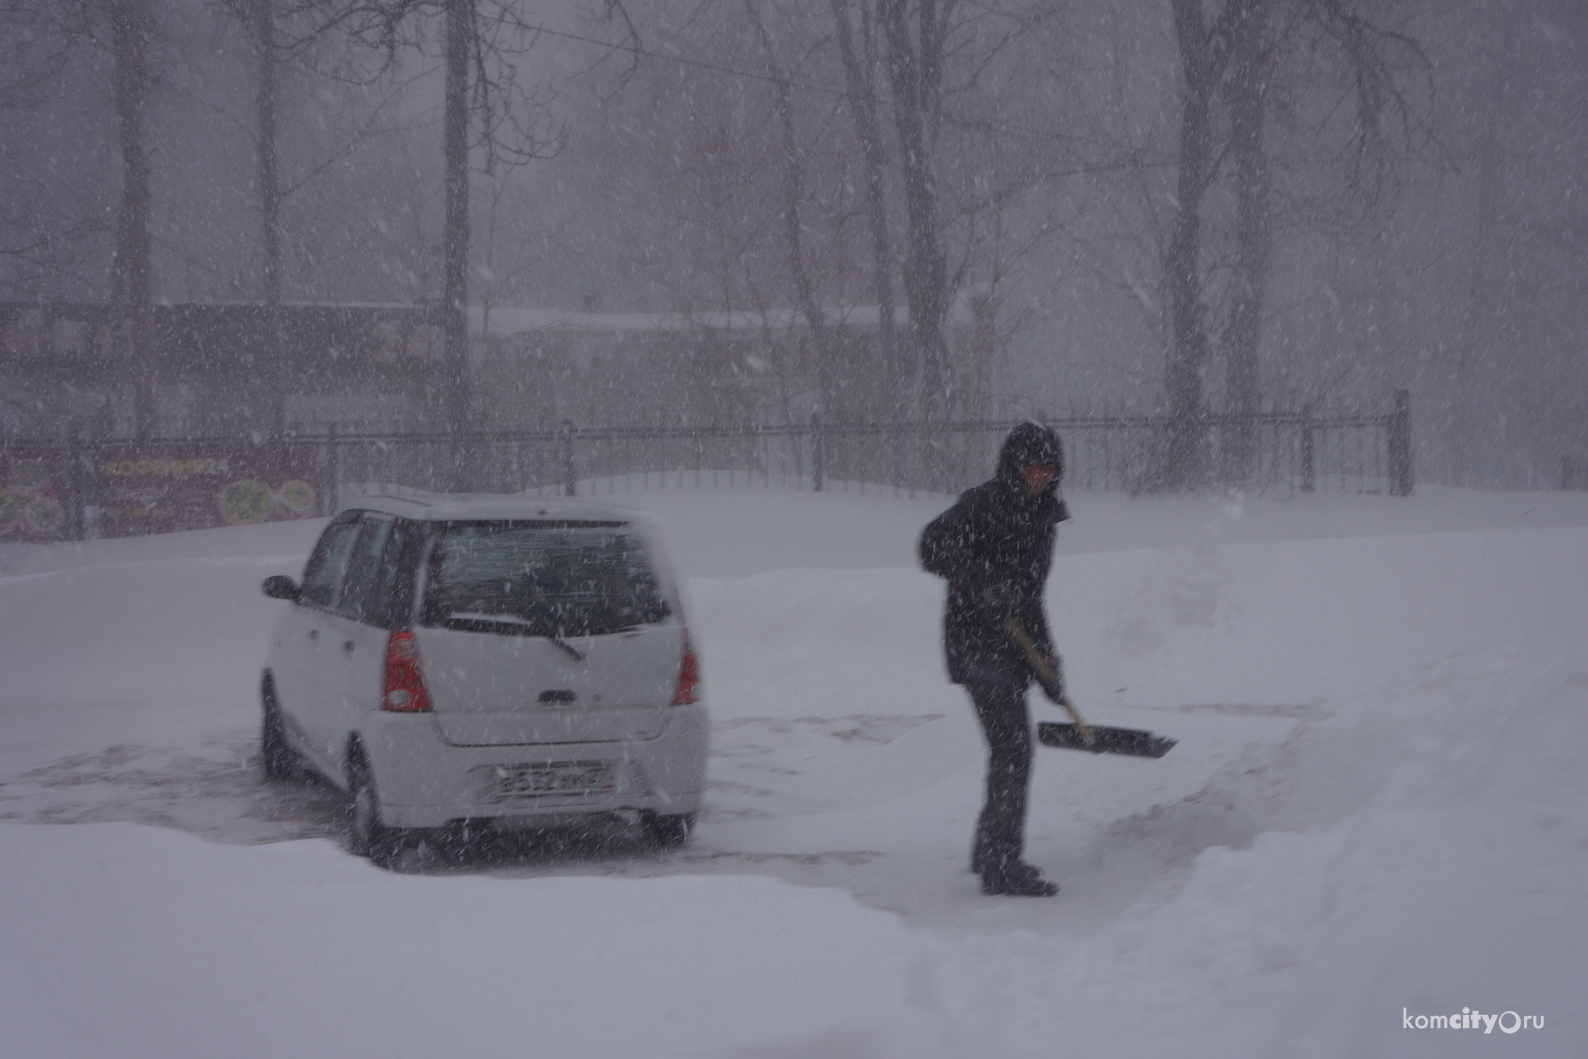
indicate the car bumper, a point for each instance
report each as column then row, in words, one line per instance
column 423, row 781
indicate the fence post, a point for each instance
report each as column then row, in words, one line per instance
column 74, row 484
column 1309, row 467
column 88, row 472
column 817, row 455
column 1400, row 445
column 570, row 476
column 457, row 456
column 333, row 475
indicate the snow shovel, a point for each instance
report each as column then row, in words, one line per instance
column 1130, row 742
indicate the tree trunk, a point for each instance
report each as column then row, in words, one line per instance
column 1252, row 231
column 455, row 234
column 274, row 367
column 863, row 111
column 1484, row 282
column 132, row 273
column 915, row 69
column 1180, row 462
column 793, row 194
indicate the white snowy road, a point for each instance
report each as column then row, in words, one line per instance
column 1377, row 804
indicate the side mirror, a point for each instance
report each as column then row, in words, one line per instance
column 280, row 586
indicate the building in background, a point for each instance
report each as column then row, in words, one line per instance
column 378, row 369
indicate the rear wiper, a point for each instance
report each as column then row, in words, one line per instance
column 472, row 622
column 578, row 655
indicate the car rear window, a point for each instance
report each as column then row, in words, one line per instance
column 541, row 579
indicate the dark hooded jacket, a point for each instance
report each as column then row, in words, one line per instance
column 998, row 536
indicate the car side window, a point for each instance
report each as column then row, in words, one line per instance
column 325, row 562
column 363, row 566
column 390, row 598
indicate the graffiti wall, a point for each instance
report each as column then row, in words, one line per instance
column 34, row 497
column 124, row 491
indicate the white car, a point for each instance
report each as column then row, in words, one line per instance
column 501, row 660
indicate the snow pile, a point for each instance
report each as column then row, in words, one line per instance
column 296, row 948
column 1452, row 877
column 1377, row 809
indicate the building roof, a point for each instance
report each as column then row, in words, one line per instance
column 506, row 321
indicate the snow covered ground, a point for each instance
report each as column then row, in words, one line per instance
column 1378, row 809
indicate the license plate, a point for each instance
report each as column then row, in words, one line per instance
column 572, row 778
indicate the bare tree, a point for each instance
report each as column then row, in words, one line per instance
column 793, row 226
column 1237, row 56
column 460, row 34
column 262, row 18
column 860, row 80
column 1249, row 67
column 482, row 42
column 287, row 45
column 1202, row 60
column 46, row 243
column 46, row 38
column 132, row 274
column 916, row 33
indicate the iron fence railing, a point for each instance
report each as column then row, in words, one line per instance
column 81, row 488
column 1278, row 452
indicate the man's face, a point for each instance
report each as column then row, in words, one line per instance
column 1036, row 476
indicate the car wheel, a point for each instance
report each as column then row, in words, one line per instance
column 276, row 757
column 669, row 831
column 367, row 836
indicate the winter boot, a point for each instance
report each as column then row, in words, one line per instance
column 1017, row 880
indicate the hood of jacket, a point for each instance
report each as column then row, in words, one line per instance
column 1026, row 444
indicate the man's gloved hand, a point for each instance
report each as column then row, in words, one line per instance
column 1052, row 681
column 1000, row 599
column 1046, row 665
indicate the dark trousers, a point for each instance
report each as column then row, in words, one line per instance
column 1000, row 830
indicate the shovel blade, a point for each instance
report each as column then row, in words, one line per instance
column 1130, row 742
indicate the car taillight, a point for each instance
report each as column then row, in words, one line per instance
column 403, row 685
column 688, row 676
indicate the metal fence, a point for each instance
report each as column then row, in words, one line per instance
column 1280, row 453
column 1573, row 472
column 83, row 488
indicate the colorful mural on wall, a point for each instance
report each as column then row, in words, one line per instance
column 127, row 491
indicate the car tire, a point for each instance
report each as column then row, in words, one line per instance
column 669, row 831
column 367, row 835
column 277, row 759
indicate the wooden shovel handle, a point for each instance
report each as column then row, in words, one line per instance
column 1045, row 673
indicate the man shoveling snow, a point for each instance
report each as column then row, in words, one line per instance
column 995, row 548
